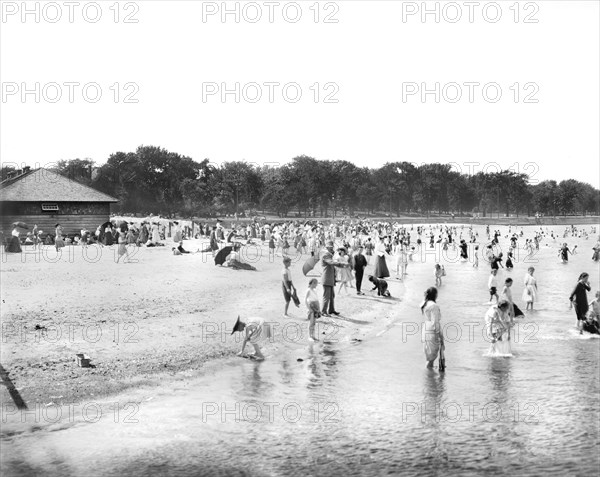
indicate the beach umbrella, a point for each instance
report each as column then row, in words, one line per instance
column 222, row 255
column 309, row 265
column 21, row 225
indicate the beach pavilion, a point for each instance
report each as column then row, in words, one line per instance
column 44, row 198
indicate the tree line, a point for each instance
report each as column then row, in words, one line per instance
column 154, row 180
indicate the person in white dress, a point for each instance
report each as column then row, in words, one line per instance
column 530, row 291
column 433, row 338
column 498, row 324
column 344, row 274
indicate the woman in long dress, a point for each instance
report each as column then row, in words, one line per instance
column 177, row 235
column 433, row 338
column 578, row 298
column 344, row 274
column 143, row 235
column 398, row 256
column 108, row 236
column 155, row 233
column 58, row 240
column 381, row 269
column 14, row 246
column 131, row 235
column 530, row 291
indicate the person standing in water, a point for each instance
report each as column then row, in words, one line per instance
column 493, row 285
column 312, row 303
column 463, row 251
column 564, row 252
column 497, row 322
column 438, row 273
column 433, row 338
column 514, row 311
column 578, row 298
column 509, row 262
column 530, row 291
column 289, row 292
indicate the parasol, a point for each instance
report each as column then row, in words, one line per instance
column 21, row 225
column 309, row 265
column 222, row 255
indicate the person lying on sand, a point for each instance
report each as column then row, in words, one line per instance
column 233, row 260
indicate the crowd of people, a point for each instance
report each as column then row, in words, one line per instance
column 344, row 249
column 362, row 242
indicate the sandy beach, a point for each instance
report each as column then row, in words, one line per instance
column 150, row 321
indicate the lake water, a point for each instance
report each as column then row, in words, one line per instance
column 370, row 408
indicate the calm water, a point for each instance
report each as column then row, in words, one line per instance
column 370, row 408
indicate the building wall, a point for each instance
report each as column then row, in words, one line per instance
column 72, row 216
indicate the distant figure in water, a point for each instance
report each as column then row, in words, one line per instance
column 433, row 338
column 596, row 249
column 564, row 252
column 578, row 298
column 463, row 250
column 530, row 291
column 509, row 263
column 438, row 273
column 493, row 285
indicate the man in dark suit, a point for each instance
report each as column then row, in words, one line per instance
column 360, row 262
column 328, row 279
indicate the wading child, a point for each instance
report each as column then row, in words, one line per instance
column 289, row 292
column 312, row 303
column 493, row 285
column 438, row 273
column 476, row 262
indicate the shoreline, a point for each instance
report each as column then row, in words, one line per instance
column 522, row 221
column 165, row 318
column 169, row 331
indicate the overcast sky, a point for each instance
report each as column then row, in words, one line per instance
column 370, row 68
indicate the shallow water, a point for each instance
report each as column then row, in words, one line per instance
column 369, row 408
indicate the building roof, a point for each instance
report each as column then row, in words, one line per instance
column 43, row 185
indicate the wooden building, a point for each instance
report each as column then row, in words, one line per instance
column 44, row 198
